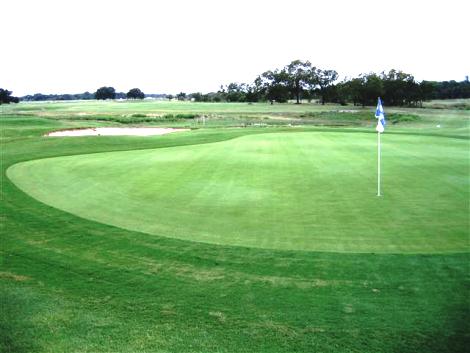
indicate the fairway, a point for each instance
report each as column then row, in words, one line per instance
column 228, row 177
column 311, row 191
column 246, row 235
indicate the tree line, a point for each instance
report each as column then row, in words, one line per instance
column 101, row 93
column 6, row 97
column 298, row 81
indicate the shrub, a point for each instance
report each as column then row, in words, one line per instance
column 179, row 116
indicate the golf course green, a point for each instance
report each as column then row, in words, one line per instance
column 258, row 231
column 290, row 191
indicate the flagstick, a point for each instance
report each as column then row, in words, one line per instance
column 378, row 164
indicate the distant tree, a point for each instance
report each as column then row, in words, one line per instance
column 342, row 93
column 325, row 78
column 40, row 97
column 277, row 92
column 215, row 97
column 181, row 96
column 135, row 93
column 235, row 92
column 372, row 87
column 300, row 76
column 59, row 97
column 197, row 96
column 397, row 87
column 86, row 95
column 169, row 97
column 295, row 80
column 220, row 95
column 453, row 89
column 105, row 93
column 120, row 95
column 253, row 93
column 308, row 95
column 6, row 97
column 353, row 90
column 362, row 90
column 428, row 90
column 274, row 85
column 465, row 88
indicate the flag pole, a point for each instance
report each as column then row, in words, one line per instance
column 380, row 115
column 378, row 163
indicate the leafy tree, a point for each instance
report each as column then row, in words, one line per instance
column 277, row 93
column 86, row 95
column 169, row 97
column 299, row 76
column 6, row 97
column 362, row 90
column 354, row 88
column 235, row 92
column 253, row 93
column 197, row 96
column 275, row 86
column 372, row 87
column 342, row 93
column 59, row 97
column 428, row 90
column 135, row 93
column 105, row 93
column 120, row 95
column 209, row 97
column 453, row 89
column 216, row 97
column 465, row 88
column 294, row 81
column 396, row 87
column 181, row 96
column 325, row 78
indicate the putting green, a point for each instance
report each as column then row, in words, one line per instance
column 293, row 191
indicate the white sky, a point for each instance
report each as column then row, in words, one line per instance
column 169, row 46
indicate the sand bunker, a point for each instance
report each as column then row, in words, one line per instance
column 116, row 131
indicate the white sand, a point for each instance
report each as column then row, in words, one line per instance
column 116, row 131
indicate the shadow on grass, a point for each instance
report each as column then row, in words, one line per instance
column 16, row 327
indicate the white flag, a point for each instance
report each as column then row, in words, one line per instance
column 380, row 115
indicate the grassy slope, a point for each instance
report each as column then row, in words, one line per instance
column 74, row 285
column 288, row 191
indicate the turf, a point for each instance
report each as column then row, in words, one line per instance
column 449, row 120
column 288, row 191
column 68, row 284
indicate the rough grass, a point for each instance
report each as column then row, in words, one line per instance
column 139, row 118
column 188, row 114
column 462, row 104
column 356, row 117
column 218, row 114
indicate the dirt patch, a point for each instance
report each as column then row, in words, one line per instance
column 115, row 131
column 13, row 276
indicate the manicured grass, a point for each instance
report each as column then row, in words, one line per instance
column 288, row 191
column 68, row 284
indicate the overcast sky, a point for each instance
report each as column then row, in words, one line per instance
column 169, row 46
